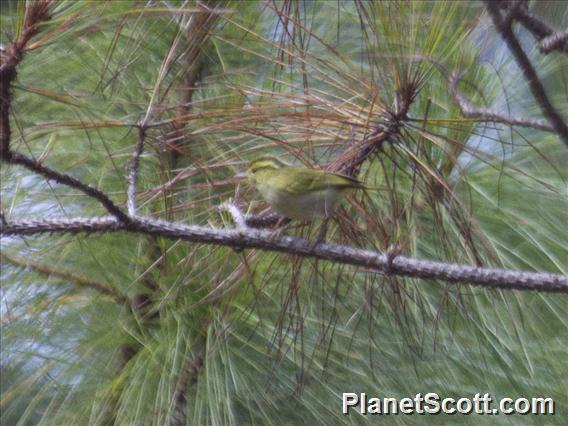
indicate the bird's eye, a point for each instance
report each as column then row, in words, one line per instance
column 253, row 171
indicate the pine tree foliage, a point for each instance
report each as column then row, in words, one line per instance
column 122, row 328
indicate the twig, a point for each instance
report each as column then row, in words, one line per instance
column 65, row 179
column 133, row 174
column 197, row 32
column 540, row 30
column 504, row 28
column 555, row 41
column 66, row 276
column 265, row 220
column 468, row 110
column 36, row 13
column 236, row 214
column 261, row 239
column 188, row 376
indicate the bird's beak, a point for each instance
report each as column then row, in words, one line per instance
column 241, row 175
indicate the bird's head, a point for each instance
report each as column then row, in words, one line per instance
column 261, row 167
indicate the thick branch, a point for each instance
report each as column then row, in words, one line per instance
column 536, row 87
column 468, row 110
column 264, row 240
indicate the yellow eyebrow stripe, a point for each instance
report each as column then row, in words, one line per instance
column 264, row 164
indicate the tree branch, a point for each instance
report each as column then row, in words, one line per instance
column 133, row 174
column 468, row 110
column 65, row 179
column 542, row 31
column 504, row 28
column 268, row 220
column 264, row 240
column 188, row 377
column 36, row 13
column 555, row 41
column 66, row 276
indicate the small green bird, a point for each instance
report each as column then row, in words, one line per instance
column 298, row 192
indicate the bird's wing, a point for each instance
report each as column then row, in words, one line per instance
column 314, row 180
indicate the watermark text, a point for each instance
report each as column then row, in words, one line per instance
column 432, row 403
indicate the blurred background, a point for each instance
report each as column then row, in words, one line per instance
column 117, row 328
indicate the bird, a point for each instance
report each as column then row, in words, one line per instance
column 300, row 193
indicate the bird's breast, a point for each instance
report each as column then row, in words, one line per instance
column 313, row 204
